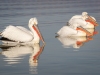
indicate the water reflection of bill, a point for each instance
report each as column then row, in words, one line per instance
column 14, row 54
column 75, row 42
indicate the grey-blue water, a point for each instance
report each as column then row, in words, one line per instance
column 55, row 58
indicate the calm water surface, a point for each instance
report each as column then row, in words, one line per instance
column 55, row 58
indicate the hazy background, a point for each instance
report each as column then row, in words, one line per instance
column 55, row 58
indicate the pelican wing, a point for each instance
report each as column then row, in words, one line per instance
column 17, row 34
column 24, row 29
column 76, row 17
column 66, row 31
column 78, row 22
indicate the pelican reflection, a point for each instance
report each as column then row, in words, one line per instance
column 75, row 42
column 14, row 54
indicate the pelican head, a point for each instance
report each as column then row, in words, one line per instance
column 33, row 25
column 84, row 15
column 91, row 19
column 33, row 21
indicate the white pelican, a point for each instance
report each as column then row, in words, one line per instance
column 88, row 20
column 74, row 30
column 22, row 35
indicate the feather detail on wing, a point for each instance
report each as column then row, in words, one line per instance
column 17, row 34
column 24, row 29
column 66, row 31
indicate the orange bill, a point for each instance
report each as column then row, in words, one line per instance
column 84, row 30
column 35, row 27
column 92, row 21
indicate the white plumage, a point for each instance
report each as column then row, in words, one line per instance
column 73, row 30
column 17, row 34
column 21, row 34
column 84, row 20
column 84, row 16
column 66, row 31
column 25, row 30
column 78, row 21
column 73, row 26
